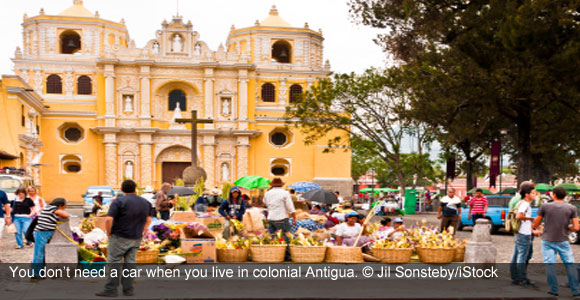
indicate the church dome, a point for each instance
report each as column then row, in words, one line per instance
column 77, row 10
column 274, row 20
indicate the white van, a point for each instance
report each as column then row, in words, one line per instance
column 10, row 183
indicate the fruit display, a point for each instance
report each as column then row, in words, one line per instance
column 235, row 242
column 268, row 239
column 399, row 243
column 301, row 240
column 426, row 237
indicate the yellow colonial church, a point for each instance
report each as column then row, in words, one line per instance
column 87, row 107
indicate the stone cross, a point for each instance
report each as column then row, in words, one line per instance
column 193, row 121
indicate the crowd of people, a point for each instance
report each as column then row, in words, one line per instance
column 128, row 218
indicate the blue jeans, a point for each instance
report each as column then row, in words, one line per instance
column 550, row 251
column 521, row 257
column 22, row 224
column 283, row 225
column 41, row 238
column 121, row 254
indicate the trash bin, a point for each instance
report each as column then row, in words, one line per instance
column 410, row 201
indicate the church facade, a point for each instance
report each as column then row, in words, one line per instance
column 109, row 108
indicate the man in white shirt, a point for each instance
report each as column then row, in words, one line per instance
column 449, row 211
column 523, row 238
column 280, row 207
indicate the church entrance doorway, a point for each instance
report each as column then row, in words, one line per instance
column 173, row 170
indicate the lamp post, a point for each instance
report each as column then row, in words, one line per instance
column 502, row 132
column 565, row 147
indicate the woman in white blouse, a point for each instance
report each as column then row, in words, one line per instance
column 39, row 203
column 347, row 232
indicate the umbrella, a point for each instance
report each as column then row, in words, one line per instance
column 485, row 191
column 181, row 191
column 321, row 196
column 509, row 191
column 569, row 187
column 304, row 186
column 543, row 187
column 253, row 182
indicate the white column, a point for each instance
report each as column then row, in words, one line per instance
column 145, row 97
column 146, row 159
column 208, row 93
column 242, row 156
column 111, row 168
column 110, row 95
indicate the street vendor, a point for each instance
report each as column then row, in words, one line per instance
column 232, row 208
column 397, row 230
column 347, row 232
column 97, row 203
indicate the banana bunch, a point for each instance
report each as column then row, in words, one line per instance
column 400, row 243
column 239, row 226
column 235, row 242
column 301, row 240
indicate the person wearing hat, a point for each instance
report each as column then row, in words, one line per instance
column 397, row 230
column 280, row 207
column 232, row 208
column 347, row 232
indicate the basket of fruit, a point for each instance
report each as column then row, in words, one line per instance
column 307, row 250
column 437, row 247
column 460, row 252
column 393, row 252
column 148, row 253
column 268, row 248
column 233, row 251
column 344, row 254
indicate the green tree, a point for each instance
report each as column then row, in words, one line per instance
column 366, row 109
column 514, row 61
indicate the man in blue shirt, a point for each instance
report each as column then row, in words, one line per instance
column 5, row 218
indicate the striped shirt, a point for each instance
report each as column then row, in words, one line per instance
column 47, row 219
column 478, row 205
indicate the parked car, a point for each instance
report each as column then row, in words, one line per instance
column 498, row 208
column 92, row 191
column 10, row 183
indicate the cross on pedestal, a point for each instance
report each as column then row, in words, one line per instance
column 194, row 121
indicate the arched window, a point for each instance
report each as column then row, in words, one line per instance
column 53, row 84
column 177, row 96
column 295, row 93
column 281, row 52
column 84, row 85
column 70, row 42
column 70, row 164
column 268, row 92
column 280, row 167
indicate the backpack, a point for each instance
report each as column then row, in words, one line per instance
column 511, row 223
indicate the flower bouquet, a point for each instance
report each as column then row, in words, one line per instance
column 397, row 251
column 194, row 230
column 87, row 224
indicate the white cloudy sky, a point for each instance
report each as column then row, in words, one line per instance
column 348, row 46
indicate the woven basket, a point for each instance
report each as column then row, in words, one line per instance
column 147, row 256
column 307, row 254
column 268, row 253
column 459, row 253
column 232, row 255
column 393, row 256
column 436, row 255
column 342, row 254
